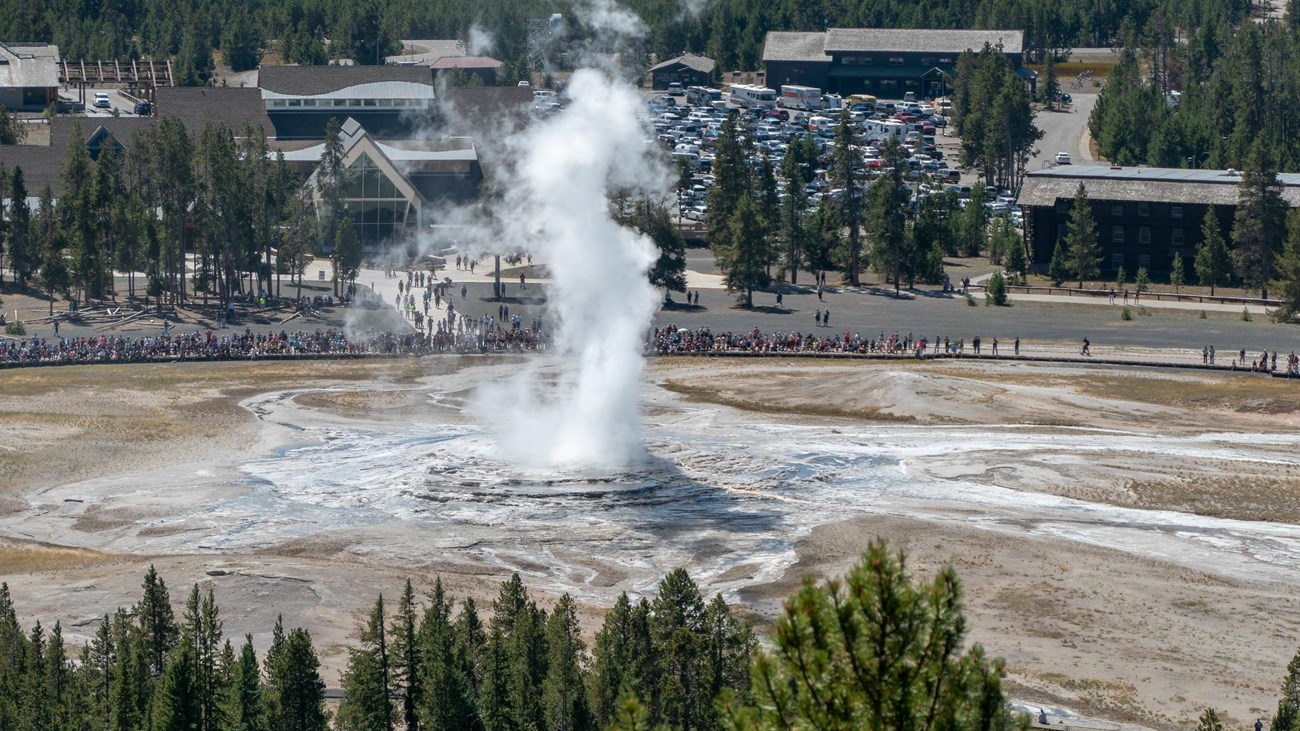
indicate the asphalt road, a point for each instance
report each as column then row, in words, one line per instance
column 931, row 313
column 1063, row 131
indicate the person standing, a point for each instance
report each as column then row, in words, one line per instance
column 1017, row 346
column 995, row 347
column 818, row 317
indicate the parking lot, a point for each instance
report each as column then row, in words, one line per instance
column 688, row 125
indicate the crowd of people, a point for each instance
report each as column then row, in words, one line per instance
column 672, row 340
column 205, row 345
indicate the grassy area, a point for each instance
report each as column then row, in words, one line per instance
column 29, row 558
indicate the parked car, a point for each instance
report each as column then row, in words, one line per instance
column 1062, row 158
column 143, row 109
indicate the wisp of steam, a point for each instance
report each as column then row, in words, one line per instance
column 584, row 414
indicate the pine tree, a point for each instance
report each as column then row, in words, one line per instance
column 1142, row 282
column 877, row 643
column 974, row 221
column 729, row 646
column 98, row 663
column 297, row 693
column 744, row 259
column 1288, row 266
column 201, row 630
column 157, row 622
column 677, row 619
column 848, row 174
column 1260, row 224
column 177, row 704
column 1057, row 270
column 1176, row 272
column 792, row 213
column 246, row 709
column 1083, row 254
column 618, row 668
column 23, row 254
column 732, row 181
column 1213, row 260
column 471, row 641
column 347, row 254
column 444, row 697
column 54, row 265
column 1287, row 717
column 886, row 215
column 564, row 702
column 367, row 700
column 406, row 657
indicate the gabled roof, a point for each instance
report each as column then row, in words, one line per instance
column 355, row 143
column 316, row 80
column 24, row 65
column 793, row 46
column 920, row 40
column 702, row 64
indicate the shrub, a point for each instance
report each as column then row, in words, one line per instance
column 1245, row 314
column 1143, row 281
column 995, row 293
column 1126, row 314
column 1204, row 316
column 15, row 328
column 970, row 300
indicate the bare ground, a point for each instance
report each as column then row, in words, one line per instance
column 1097, row 629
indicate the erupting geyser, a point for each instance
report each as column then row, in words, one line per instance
column 556, row 204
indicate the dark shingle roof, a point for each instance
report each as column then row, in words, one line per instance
column 785, row 46
column 791, row 46
column 229, row 107
column 313, row 80
column 40, row 165
column 482, row 104
column 702, row 64
column 1156, row 185
column 904, row 40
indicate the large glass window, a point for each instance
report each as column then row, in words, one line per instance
column 378, row 209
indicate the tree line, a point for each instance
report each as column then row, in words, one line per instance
column 880, row 650
column 212, row 214
column 1237, row 85
column 731, row 31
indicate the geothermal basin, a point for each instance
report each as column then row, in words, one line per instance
column 1100, row 524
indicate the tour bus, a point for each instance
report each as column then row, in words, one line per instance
column 806, row 98
column 750, row 96
column 866, row 100
column 702, row 96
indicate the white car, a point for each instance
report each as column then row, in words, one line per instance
column 1062, row 158
column 101, row 100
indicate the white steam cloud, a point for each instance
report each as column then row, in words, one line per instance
column 480, row 41
column 556, row 204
